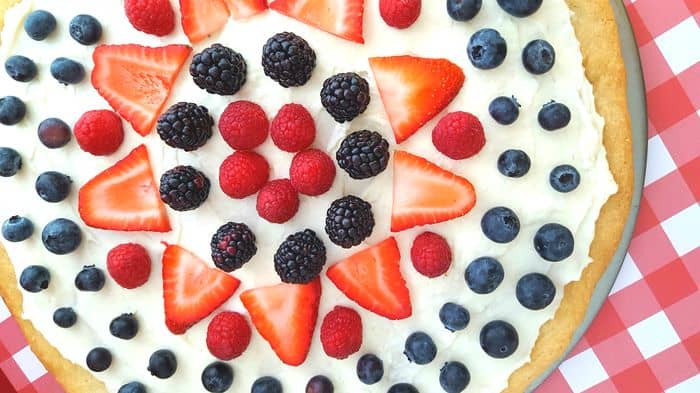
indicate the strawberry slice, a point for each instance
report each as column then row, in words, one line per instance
column 136, row 80
column 285, row 315
column 372, row 278
column 242, row 9
column 426, row 194
column 342, row 18
column 202, row 18
column 415, row 89
column 191, row 289
column 124, row 197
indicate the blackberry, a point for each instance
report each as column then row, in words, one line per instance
column 219, row 70
column 349, row 221
column 300, row 258
column 345, row 96
column 288, row 59
column 363, row 154
column 185, row 126
column 184, row 188
column 232, row 246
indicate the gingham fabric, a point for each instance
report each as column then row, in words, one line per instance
column 646, row 338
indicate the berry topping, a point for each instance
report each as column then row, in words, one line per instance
column 202, row 18
column 431, row 254
column 420, row 348
column 340, row 18
column 520, row 8
column 243, row 173
column 399, row 13
column 285, row 316
column 402, row 388
column 151, row 16
column 12, row 110
column 54, row 133
column 124, row 197
column 538, row 57
column 17, row 229
column 129, row 265
column 554, row 116
column 184, row 188
column 20, row 68
column 244, row 125
column 370, row 369
column 514, row 163
column 564, row 178
column 35, row 278
column 132, row 387
column 136, row 80
column 500, row 225
column 278, row 201
column 454, row 317
column 53, row 186
column 61, row 236
column 219, row 70
column 242, row 9
column 415, row 89
column 39, row 24
column 90, row 279
column 505, row 110
column 300, row 258
column 266, row 385
column 459, row 135
column 363, row 154
column 312, row 172
column 535, row 291
column 288, row 59
column 217, row 377
column 293, row 128
column 99, row 359
column 372, row 278
column 64, row 317
column 341, row 332
column 498, row 339
column 125, row 326
column 99, row 132
column 10, row 162
column 349, row 221
column 67, row 71
column 191, row 289
column 345, row 96
column 463, row 10
column 319, row 384
column 185, row 126
column 554, row 242
column 484, row 275
column 162, row 364
column 85, row 29
column 232, row 246
column 487, row 49
column 454, row 377
column 228, row 335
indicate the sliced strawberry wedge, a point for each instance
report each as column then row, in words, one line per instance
column 285, row 315
column 372, row 278
column 415, row 89
column 342, row 18
column 136, row 80
column 426, row 194
column 202, row 18
column 191, row 289
column 242, row 9
column 124, row 197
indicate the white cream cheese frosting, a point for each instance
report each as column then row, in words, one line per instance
column 433, row 35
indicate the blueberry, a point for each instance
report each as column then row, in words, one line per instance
column 420, row 348
column 125, row 326
column 370, row 369
column 17, row 229
column 520, row 8
column 514, row 163
column 53, row 186
column 61, row 236
column 12, row 110
column 554, row 116
column 39, row 24
column 500, row 225
column 20, row 68
column 319, row 384
column 85, row 29
column 498, row 339
column 67, row 71
column 162, row 364
column 402, row 388
column 90, row 279
column 505, row 110
column 538, row 57
column 463, row 10
column 34, row 278
column 54, row 133
column 535, row 291
column 484, row 275
column 454, row 317
column 10, row 162
column 564, row 178
column 64, row 317
column 266, row 385
column 454, row 377
column 132, row 387
column 487, row 49
column 217, row 377
column 554, row 242
column 99, row 359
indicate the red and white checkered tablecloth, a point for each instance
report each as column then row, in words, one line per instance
column 646, row 338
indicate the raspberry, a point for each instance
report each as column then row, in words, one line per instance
column 243, row 173
column 151, row 16
column 244, row 125
column 431, row 255
column 399, row 13
column 99, row 133
column 228, row 335
column 278, row 201
column 129, row 265
column 293, row 128
column 341, row 332
column 312, row 172
column 459, row 135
